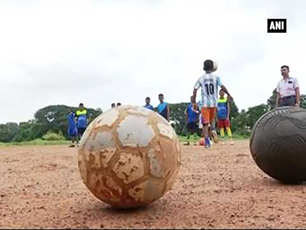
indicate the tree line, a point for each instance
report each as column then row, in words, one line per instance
column 53, row 119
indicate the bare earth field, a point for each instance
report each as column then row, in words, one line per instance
column 40, row 187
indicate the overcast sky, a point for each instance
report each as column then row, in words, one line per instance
column 103, row 51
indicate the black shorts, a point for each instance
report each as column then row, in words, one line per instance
column 192, row 127
column 81, row 131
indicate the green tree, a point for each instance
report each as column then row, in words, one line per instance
column 245, row 121
column 303, row 101
column 177, row 116
column 53, row 118
column 8, row 131
column 254, row 113
column 25, row 132
column 234, row 111
column 271, row 102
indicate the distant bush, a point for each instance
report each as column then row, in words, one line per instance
column 50, row 136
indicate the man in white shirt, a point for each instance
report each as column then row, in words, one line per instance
column 288, row 90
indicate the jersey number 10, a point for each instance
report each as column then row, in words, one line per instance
column 210, row 89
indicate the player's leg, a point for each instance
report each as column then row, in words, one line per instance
column 76, row 135
column 212, row 114
column 206, row 119
column 194, row 132
column 188, row 134
column 229, row 131
column 70, row 136
column 200, row 132
column 213, row 131
column 74, row 140
column 80, row 132
column 221, row 127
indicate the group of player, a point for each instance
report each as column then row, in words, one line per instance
column 201, row 115
column 195, row 121
column 77, row 124
column 210, row 107
column 195, row 117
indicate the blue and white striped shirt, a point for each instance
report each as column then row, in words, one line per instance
column 209, row 84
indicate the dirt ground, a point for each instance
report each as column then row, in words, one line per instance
column 40, row 187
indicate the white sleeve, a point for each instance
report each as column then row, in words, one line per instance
column 277, row 88
column 197, row 84
column 296, row 83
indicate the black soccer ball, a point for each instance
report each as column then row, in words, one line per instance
column 278, row 144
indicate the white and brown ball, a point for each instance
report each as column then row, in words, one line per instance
column 215, row 66
column 129, row 156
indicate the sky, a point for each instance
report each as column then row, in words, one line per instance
column 103, row 51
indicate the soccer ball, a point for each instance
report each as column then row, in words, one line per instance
column 201, row 141
column 278, row 144
column 129, row 156
column 215, row 65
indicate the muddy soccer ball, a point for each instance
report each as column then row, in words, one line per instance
column 129, row 156
column 278, row 144
column 201, row 141
column 215, row 65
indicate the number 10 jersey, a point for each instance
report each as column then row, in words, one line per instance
column 209, row 84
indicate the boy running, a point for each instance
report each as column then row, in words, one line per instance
column 209, row 84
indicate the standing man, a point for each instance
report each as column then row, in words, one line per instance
column 163, row 108
column 81, row 119
column 148, row 105
column 192, row 118
column 208, row 83
column 288, row 90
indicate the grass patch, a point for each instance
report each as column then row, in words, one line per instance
column 66, row 142
column 235, row 137
column 35, row 142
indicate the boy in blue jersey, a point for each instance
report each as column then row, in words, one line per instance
column 223, row 112
column 82, row 119
column 163, row 108
column 147, row 105
column 192, row 119
column 72, row 128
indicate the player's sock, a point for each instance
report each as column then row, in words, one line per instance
column 222, row 133
column 229, row 132
column 230, row 135
column 207, row 142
